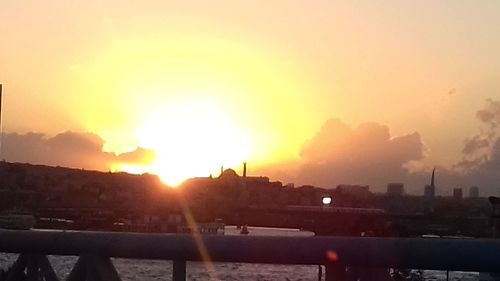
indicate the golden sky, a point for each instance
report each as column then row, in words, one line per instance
column 221, row 82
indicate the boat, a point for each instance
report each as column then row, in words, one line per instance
column 17, row 220
column 244, row 230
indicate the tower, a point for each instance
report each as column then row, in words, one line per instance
column 433, row 187
column 430, row 190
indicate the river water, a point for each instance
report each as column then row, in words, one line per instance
column 152, row 270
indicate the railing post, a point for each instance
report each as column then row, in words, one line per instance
column 179, row 270
column 16, row 272
column 335, row 272
column 78, row 273
column 32, row 269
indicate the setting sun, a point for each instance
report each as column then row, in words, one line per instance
column 191, row 138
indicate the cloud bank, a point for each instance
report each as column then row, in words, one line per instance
column 366, row 154
column 338, row 154
column 370, row 155
column 69, row 149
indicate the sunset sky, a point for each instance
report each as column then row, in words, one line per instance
column 292, row 87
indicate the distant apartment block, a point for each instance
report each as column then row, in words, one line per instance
column 395, row 189
column 457, row 194
column 473, row 192
column 355, row 190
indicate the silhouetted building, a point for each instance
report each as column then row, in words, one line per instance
column 473, row 192
column 429, row 194
column 230, row 178
column 395, row 189
column 457, row 194
column 430, row 190
column 355, row 190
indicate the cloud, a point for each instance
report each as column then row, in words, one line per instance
column 367, row 154
column 482, row 150
column 369, row 142
column 480, row 163
column 69, row 149
column 475, row 144
column 139, row 155
column 490, row 114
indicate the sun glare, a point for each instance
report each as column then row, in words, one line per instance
column 192, row 137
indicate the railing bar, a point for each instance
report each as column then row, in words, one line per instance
column 481, row 255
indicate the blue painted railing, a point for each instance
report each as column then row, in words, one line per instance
column 336, row 253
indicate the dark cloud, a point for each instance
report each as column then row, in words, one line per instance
column 70, row 149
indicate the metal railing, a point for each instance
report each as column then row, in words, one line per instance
column 336, row 253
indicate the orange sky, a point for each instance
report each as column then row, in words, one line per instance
column 228, row 81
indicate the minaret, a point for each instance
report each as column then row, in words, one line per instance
column 244, row 169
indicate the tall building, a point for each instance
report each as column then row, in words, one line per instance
column 457, row 194
column 473, row 192
column 430, row 190
column 395, row 189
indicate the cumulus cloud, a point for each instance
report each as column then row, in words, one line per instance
column 481, row 151
column 369, row 142
column 367, row 154
column 490, row 114
column 480, row 162
column 70, row 149
column 475, row 144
